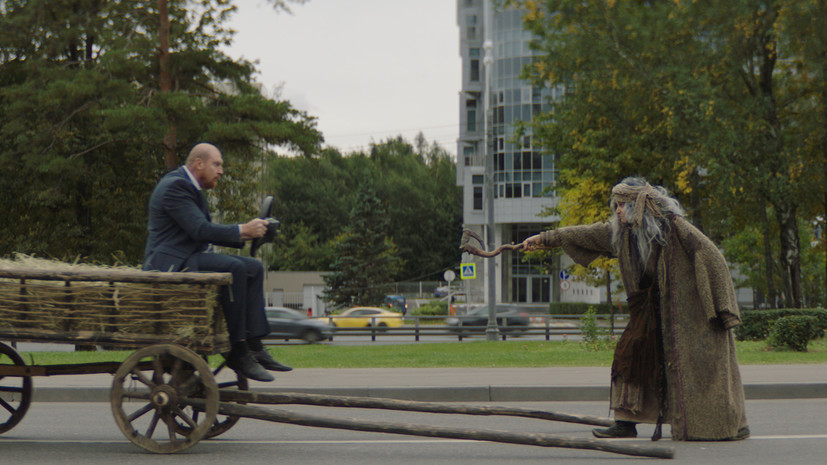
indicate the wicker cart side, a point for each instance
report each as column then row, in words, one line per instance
column 117, row 307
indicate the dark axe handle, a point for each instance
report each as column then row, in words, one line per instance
column 466, row 246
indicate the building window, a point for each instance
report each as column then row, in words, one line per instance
column 471, row 27
column 471, row 115
column 540, row 289
column 519, row 291
column 475, row 65
column 477, row 198
column 468, row 153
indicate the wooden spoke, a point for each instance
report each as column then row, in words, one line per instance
column 15, row 391
column 177, row 374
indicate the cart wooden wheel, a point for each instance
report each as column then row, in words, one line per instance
column 15, row 391
column 223, row 423
column 145, row 400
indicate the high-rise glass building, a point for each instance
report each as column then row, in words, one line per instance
column 493, row 102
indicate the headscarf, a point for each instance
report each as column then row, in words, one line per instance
column 644, row 198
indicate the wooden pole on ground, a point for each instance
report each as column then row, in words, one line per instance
column 405, row 405
column 533, row 439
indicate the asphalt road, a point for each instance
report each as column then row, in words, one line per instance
column 789, row 432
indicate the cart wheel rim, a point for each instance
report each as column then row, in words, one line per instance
column 150, row 404
column 15, row 391
column 223, row 423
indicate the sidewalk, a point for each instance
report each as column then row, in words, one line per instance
column 460, row 384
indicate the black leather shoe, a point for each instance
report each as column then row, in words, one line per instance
column 267, row 361
column 246, row 365
column 621, row 429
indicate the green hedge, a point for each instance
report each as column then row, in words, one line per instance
column 578, row 308
column 756, row 325
column 432, row 309
column 792, row 332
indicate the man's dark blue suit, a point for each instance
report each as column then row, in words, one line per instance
column 180, row 233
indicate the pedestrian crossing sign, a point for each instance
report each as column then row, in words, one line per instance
column 468, row 271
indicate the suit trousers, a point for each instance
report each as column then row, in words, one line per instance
column 243, row 301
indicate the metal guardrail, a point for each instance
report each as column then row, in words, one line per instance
column 542, row 325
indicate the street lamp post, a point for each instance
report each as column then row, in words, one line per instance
column 492, row 332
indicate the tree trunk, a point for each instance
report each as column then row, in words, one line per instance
column 165, row 82
column 768, row 261
column 790, row 254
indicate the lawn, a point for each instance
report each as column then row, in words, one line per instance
column 476, row 354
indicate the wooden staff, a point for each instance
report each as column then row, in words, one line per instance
column 532, row 439
column 405, row 405
column 466, row 246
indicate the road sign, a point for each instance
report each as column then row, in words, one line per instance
column 449, row 275
column 564, row 275
column 565, row 285
column 468, row 271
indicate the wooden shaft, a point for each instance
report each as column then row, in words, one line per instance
column 533, row 439
column 404, row 405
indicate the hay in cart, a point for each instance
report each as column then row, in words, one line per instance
column 120, row 306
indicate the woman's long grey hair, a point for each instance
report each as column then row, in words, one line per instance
column 654, row 225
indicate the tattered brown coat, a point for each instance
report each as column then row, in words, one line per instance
column 699, row 309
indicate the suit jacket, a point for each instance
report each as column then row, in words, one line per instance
column 179, row 225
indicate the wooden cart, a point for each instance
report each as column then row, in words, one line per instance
column 174, row 320
column 164, row 396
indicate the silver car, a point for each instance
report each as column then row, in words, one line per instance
column 286, row 323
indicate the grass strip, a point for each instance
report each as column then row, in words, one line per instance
column 467, row 354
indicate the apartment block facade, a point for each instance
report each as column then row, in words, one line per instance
column 507, row 182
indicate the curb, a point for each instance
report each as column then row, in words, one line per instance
column 462, row 394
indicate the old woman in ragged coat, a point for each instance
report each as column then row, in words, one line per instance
column 675, row 362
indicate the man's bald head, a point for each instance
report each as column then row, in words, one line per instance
column 202, row 151
column 206, row 164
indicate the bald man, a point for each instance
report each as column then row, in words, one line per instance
column 180, row 238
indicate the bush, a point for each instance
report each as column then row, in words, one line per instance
column 756, row 325
column 432, row 309
column 594, row 338
column 578, row 308
column 792, row 332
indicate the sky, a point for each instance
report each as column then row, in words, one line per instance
column 367, row 70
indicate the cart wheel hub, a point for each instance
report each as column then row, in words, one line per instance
column 164, row 396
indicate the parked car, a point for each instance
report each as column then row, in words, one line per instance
column 398, row 303
column 509, row 319
column 290, row 324
column 442, row 291
column 365, row 317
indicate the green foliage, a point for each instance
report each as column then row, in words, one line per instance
column 594, row 337
column 366, row 258
column 745, row 248
column 82, row 121
column 721, row 102
column 756, row 325
column 793, row 332
column 417, row 188
column 432, row 309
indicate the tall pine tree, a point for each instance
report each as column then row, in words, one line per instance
column 85, row 126
column 366, row 257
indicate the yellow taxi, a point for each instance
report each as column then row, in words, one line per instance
column 365, row 317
